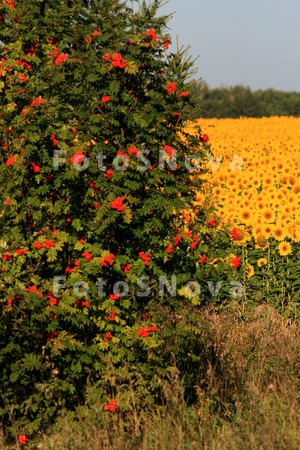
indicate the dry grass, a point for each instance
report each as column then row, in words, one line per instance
column 248, row 398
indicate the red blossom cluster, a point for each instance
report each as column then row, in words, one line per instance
column 171, row 87
column 111, row 406
column 177, row 239
column 202, row 259
column 75, row 265
column 116, row 60
column 169, row 150
column 108, row 336
column 61, row 58
column 212, row 223
column 77, row 158
column 21, row 251
column 88, row 256
column 10, row 161
column 105, row 99
column 23, row 63
column 37, row 101
column 22, row 439
column 52, row 300
column 195, row 241
column 145, row 257
column 152, row 34
column 112, row 318
column 36, row 167
column 169, row 249
column 114, row 296
column 47, row 244
column 34, row 289
column 109, row 174
column 144, row 332
column 108, row 260
column 53, row 139
column 117, row 204
column 236, row 262
column 6, row 256
column 82, row 303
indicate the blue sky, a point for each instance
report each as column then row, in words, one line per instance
column 255, row 43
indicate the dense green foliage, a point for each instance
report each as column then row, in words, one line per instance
column 240, row 101
column 92, row 115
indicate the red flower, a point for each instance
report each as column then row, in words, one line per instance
column 7, row 203
column 61, row 58
column 54, row 140
column 188, row 234
column 145, row 257
column 169, row 150
column 6, row 256
column 172, row 87
column 37, row 101
column 95, row 33
column 117, row 204
column 109, row 174
column 236, row 262
column 23, row 63
column 133, row 150
column 96, row 204
column 34, row 289
column 48, row 243
column 212, row 223
column 21, row 251
column 117, row 61
column 82, row 304
column 105, row 99
column 12, row 6
column 22, row 439
column 77, row 158
column 106, row 57
column 10, row 161
column 152, row 328
column 52, row 300
column 166, row 44
column 152, row 34
column 37, row 245
column 234, row 234
column 195, row 241
column 108, row 336
column 23, row 77
column 112, row 317
column 88, row 256
column 36, row 168
column 177, row 239
column 108, row 260
column 204, row 138
column 143, row 332
column 169, row 249
column 201, row 260
column 126, row 268
column 114, row 296
column 183, row 94
column 112, row 406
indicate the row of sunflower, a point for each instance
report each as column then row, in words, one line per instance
column 254, row 186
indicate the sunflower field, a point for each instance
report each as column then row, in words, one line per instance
column 255, row 188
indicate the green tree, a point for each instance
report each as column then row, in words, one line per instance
column 95, row 178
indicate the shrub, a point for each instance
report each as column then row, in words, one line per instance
column 98, row 184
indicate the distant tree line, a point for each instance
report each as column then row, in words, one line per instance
column 239, row 101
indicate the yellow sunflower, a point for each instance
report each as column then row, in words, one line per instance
column 261, row 262
column 284, row 248
column 278, row 233
column 249, row 270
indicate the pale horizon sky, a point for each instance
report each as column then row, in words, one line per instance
column 253, row 43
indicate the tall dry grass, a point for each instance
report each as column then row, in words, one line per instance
column 248, row 396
